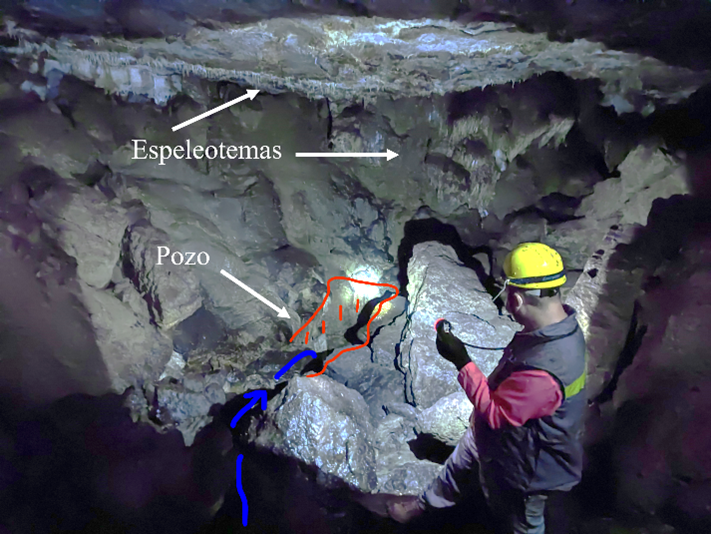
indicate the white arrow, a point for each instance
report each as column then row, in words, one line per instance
column 389, row 154
column 251, row 93
column 282, row 311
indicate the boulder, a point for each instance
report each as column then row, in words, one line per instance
column 133, row 351
column 399, row 471
column 171, row 291
column 410, row 478
column 186, row 401
column 386, row 341
column 380, row 388
column 380, row 385
column 88, row 227
column 441, row 287
column 645, row 174
column 446, row 420
column 321, row 422
column 349, row 364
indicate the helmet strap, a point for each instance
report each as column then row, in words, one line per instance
column 506, row 282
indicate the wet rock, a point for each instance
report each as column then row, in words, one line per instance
column 89, row 228
column 133, row 350
column 171, row 291
column 441, row 287
column 324, row 423
column 604, row 297
column 447, row 420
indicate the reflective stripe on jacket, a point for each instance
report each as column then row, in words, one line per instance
column 544, row 453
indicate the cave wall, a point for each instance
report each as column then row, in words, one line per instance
column 570, row 152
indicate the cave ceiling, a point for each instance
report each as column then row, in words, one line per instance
column 340, row 57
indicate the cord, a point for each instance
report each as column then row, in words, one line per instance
column 447, row 327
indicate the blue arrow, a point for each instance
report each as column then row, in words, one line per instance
column 293, row 361
column 256, row 396
column 240, row 490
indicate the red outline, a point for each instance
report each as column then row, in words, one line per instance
column 328, row 292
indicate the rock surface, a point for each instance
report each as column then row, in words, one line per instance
column 172, row 292
column 412, row 58
column 399, row 471
column 89, row 228
column 646, row 174
column 322, row 423
column 446, row 420
column 604, row 297
column 662, row 400
column 133, row 350
column 441, row 287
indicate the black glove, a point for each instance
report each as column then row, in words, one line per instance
column 451, row 347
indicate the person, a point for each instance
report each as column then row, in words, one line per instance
column 527, row 421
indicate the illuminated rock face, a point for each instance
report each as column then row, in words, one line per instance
column 324, row 424
column 440, row 287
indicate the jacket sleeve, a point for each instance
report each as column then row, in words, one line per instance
column 522, row 396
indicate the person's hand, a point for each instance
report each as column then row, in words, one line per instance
column 451, row 347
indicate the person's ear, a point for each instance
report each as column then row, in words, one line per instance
column 516, row 301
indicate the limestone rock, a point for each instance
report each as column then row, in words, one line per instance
column 333, row 57
column 133, row 351
column 349, row 364
column 389, row 312
column 411, row 478
column 604, row 298
column 324, row 423
column 399, row 471
column 448, row 419
column 386, row 341
column 645, row 174
column 380, row 388
column 186, row 403
column 440, row 287
column 89, row 228
column 171, row 291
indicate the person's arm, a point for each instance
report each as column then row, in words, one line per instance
column 522, row 396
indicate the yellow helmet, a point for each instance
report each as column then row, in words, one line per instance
column 534, row 266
